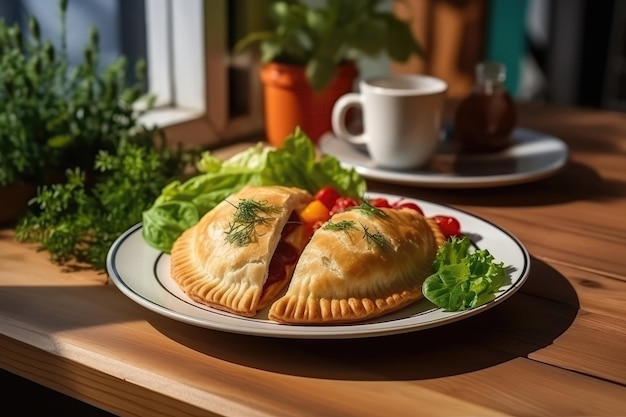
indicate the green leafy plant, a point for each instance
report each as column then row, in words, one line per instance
column 77, row 222
column 76, row 133
column 323, row 38
column 53, row 117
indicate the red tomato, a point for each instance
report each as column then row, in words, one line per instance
column 380, row 203
column 327, row 195
column 449, row 225
column 343, row 203
column 411, row 206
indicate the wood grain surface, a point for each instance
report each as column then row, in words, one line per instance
column 555, row 348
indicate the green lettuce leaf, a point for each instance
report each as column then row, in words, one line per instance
column 181, row 204
column 462, row 280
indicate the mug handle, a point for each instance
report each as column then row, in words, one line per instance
column 338, row 119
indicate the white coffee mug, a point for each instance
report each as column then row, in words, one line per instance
column 402, row 117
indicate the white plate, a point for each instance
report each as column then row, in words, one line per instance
column 142, row 273
column 533, row 156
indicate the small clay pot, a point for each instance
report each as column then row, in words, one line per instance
column 290, row 101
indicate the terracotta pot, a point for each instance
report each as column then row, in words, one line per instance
column 290, row 101
column 14, row 200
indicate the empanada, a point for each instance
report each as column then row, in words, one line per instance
column 239, row 256
column 361, row 264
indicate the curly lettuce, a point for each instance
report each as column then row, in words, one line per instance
column 462, row 280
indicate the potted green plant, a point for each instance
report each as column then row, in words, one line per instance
column 77, row 167
column 53, row 117
column 309, row 58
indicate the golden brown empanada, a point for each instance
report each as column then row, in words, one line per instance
column 360, row 265
column 224, row 260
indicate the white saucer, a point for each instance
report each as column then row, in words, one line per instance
column 533, row 156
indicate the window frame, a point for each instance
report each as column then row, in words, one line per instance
column 188, row 60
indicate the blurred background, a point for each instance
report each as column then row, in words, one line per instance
column 565, row 52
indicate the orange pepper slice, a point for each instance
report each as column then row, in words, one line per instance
column 315, row 212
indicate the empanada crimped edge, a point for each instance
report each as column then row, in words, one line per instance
column 311, row 301
column 216, row 273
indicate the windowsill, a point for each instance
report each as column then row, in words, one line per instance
column 168, row 116
column 181, row 126
column 193, row 128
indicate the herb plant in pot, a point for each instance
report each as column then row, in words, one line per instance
column 309, row 58
column 53, row 117
column 72, row 146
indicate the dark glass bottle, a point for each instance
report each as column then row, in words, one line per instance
column 485, row 119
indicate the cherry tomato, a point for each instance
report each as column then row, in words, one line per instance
column 380, row 203
column 327, row 195
column 342, row 204
column 315, row 211
column 411, row 206
column 449, row 225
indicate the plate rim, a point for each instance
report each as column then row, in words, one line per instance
column 357, row 330
column 414, row 178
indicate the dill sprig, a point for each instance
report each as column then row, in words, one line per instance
column 341, row 226
column 369, row 210
column 250, row 213
column 375, row 238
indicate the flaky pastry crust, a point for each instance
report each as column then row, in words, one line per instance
column 344, row 276
column 223, row 275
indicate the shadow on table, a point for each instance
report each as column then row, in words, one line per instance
column 575, row 182
column 533, row 318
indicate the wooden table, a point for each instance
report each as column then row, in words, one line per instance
column 555, row 348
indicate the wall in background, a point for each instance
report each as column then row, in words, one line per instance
column 569, row 52
column 505, row 38
column 453, row 34
column 120, row 23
